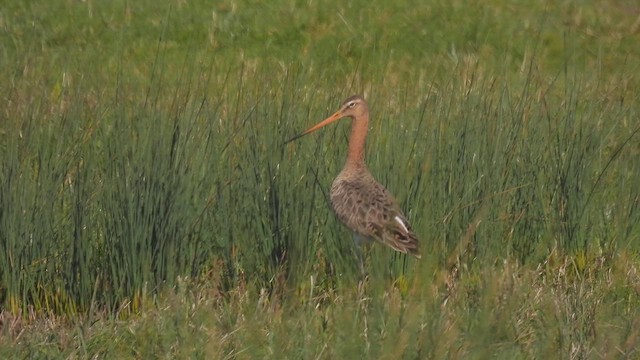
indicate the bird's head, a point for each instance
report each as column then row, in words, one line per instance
column 354, row 107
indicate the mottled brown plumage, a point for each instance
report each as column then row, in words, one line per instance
column 359, row 201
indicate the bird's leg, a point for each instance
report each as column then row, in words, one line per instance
column 360, row 242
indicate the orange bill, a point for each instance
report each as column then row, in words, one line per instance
column 336, row 116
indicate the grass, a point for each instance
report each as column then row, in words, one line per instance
column 148, row 207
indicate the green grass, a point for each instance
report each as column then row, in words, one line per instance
column 148, row 206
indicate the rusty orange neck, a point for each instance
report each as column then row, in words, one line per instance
column 359, row 128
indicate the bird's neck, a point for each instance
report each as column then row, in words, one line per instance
column 359, row 129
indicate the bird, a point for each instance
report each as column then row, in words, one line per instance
column 361, row 203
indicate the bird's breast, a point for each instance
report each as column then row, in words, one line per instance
column 351, row 201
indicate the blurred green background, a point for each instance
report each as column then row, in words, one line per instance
column 149, row 208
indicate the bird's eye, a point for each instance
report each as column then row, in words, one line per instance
column 352, row 105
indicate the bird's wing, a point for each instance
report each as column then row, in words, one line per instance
column 368, row 209
column 389, row 226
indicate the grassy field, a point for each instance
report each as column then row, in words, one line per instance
column 149, row 209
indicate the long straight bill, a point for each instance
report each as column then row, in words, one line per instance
column 336, row 116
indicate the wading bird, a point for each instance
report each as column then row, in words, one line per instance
column 359, row 201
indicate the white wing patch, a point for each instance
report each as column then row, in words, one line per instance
column 401, row 223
